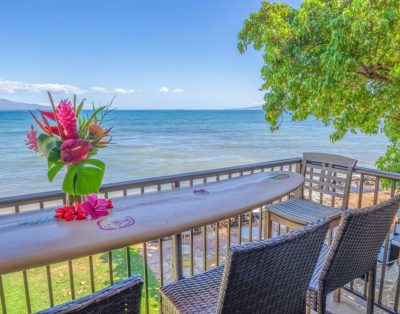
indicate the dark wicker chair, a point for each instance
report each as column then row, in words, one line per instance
column 270, row 276
column 122, row 297
column 353, row 252
column 326, row 174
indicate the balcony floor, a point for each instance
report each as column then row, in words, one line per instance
column 349, row 304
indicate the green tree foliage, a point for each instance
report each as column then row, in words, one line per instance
column 336, row 60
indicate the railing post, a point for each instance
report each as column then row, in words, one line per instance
column 298, row 167
column 178, row 265
column 177, row 248
column 2, row 297
column 299, row 192
column 176, row 184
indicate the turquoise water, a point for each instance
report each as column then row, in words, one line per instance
column 153, row 143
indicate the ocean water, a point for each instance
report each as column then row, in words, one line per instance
column 153, row 143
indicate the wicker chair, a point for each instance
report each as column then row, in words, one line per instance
column 122, row 297
column 353, row 253
column 270, row 276
column 327, row 174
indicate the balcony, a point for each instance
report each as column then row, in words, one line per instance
column 35, row 288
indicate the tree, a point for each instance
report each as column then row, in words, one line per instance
column 336, row 60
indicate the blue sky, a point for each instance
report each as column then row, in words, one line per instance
column 175, row 54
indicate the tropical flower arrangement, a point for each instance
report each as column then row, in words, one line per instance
column 71, row 140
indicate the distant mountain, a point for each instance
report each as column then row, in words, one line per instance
column 248, row 108
column 6, row 104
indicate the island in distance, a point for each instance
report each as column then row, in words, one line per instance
column 8, row 105
column 248, row 108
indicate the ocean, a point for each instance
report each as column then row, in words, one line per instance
column 150, row 143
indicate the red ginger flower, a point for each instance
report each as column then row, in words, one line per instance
column 72, row 212
column 67, row 119
column 31, row 140
column 75, row 150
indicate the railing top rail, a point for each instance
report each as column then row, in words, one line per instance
column 378, row 173
column 370, row 172
column 56, row 195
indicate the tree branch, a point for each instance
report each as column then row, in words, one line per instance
column 395, row 118
column 373, row 75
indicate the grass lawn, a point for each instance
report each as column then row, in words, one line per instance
column 38, row 287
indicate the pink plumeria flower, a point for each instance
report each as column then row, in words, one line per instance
column 96, row 207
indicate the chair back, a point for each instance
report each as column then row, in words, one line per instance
column 122, row 297
column 357, row 243
column 328, row 174
column 271, row 276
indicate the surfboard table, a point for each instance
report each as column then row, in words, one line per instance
column 34, row 239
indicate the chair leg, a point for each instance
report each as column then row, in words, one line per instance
column 330, row 236
column 337, row 295
column 267, row 225
column 371, row 291
column 321, row 305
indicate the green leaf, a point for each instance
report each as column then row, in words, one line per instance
column 47, row 144
column 54, row 168
column 54, row 155
column 84, row 178
column 80, row 107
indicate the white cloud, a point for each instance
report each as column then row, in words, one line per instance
column 167, row 90
column 164, row 89
column 11, row 87
column 123, row 91
column 118, row 90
